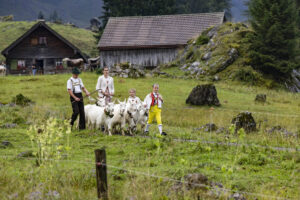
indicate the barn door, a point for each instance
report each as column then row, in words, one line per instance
column 40, row 65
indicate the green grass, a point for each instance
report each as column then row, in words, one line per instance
column 81, row 38
column 247, row 168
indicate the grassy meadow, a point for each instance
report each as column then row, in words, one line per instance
column 255, row 167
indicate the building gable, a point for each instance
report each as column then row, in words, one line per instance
column 37, row 31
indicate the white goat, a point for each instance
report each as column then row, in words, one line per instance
column 118, row 118
column 143, row 115
column 130, row 115
column 104, row 116
column 89, row 107
column 2, row 70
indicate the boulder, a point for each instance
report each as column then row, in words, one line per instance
column 221, row 130
column 5, row 144
column 207, row 56
column 282, row 131
column 213, row 32
column 261, row 98
column 195, row 181
column 237, row 196
column 216, row 78
column 7, row 125
column 195, row 64
column 209, row 127
column 244, row 120
column 293, row 83
column 25, row 154
column 203, row 95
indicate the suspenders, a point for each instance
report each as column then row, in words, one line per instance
column 73, row 88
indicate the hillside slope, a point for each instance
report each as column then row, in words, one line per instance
column 81, row 38
column 220, row 53
column 78, row 12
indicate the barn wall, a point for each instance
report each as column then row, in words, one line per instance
column 142, row 57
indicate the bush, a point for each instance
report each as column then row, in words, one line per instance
column 202, row 39
column 98, row 71
column 124, row 65
column 21, row 100
column 247, row 74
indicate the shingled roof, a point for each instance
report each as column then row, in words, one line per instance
column 155, row 31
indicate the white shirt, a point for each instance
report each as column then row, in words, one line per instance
column 134, row 100
column 104, row 84
column 75, row 84
column 148, row 100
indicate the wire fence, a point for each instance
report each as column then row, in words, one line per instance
column 211, row 117
column 170, row 179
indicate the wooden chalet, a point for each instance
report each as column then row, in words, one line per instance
column 40, row 46
column 151, row 40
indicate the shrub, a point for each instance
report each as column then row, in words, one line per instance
column 124, row 65
column 189, row 53
column 247, row 74
column 98, row 71
column 202, row 39
column 21, row 100
column 46, row 140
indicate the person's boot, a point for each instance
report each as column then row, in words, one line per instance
column 164, row 134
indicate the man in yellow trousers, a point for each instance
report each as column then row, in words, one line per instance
column 154, row 103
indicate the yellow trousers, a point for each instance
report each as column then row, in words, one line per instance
column 155, row 112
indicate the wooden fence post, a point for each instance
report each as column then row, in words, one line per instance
column 101, row 174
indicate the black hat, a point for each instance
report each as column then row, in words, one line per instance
column 76, row 71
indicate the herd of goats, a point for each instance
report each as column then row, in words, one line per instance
column 112, row 116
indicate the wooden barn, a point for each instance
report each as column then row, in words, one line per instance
column 41, row 47
column 151, row 40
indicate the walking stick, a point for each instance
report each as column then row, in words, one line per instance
column 87, row 96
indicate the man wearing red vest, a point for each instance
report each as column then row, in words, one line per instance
column 154, row 103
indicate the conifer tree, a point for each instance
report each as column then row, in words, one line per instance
column 41, row 15
column 273, row 45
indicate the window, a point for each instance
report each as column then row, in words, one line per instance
column 34, row 41
column 21, row 64
column 42, row 41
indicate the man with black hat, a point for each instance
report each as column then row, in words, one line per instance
column 75, row 87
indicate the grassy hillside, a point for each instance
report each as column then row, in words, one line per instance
column 81, row 38
column 220, row 51
column 254, row 169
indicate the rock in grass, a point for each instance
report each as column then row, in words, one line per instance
column 203, row 95
column 237, row 196
column 207, row 56
column 262, row 98
column 282, row 131
column 7, row 125
column 221, row 130
column 196, row 180
column 6, row 143
column 25, row 154
column 209, row 127
column 244, row 120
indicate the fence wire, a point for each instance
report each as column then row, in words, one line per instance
column 170, row 179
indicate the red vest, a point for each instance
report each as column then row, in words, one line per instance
column 153, row 99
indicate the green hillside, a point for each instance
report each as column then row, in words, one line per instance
column 81, row 38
